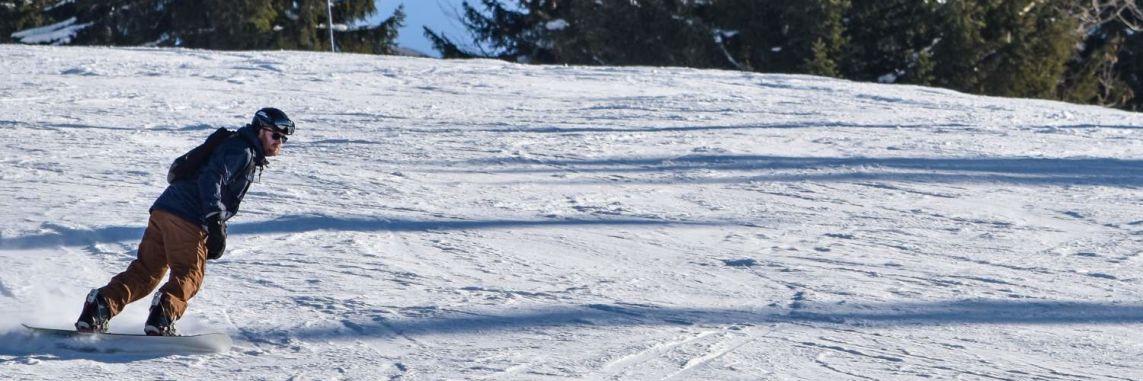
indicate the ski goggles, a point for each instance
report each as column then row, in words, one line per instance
column 282, row 126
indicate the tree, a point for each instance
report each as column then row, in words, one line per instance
column 922, row 68
column 1093, row 14
column 602, row 32
column 886, row 39
column 1079, row 50
column 379, row 39
column 1029, row 44
column 828, row 34
column 822, row 63
column 785, row 36
column 525, row 32
column 961, row 45
column 301, row 25
column 1104, row 69
column 622, row 32
column 111, row 22
column 748, row 33
column 221, row 24
column 1130, row 65
column 1016, row 48
column 225, row 24
column 17, row 15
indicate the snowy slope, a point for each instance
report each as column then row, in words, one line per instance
column 485, row 220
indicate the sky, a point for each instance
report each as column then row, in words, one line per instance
column 439, row 15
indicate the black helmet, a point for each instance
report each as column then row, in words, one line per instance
column 273, row 118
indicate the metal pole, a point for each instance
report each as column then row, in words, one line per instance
column 329, row 11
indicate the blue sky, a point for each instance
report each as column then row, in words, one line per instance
column 439, row 15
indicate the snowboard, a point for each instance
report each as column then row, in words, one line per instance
column 137, row 343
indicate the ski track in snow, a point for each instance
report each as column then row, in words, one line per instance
column 485, row 220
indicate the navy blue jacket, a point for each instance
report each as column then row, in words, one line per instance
column 220, row 184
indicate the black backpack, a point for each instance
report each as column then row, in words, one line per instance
column 187, row 165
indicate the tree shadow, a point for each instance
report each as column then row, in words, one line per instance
column 297, row 224
column 965, row 312
column 751, row 126
column 593, row 129
column 1030, row 171
column 1086, row 126
column 65, row 236
column 62, row 126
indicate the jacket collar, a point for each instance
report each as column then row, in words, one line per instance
column 251, row 135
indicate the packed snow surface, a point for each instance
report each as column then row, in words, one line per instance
column 486, row 220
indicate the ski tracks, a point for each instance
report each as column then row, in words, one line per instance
column 673, row 359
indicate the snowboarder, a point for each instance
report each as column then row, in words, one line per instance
column 187, row 226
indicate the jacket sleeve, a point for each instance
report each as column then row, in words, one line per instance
column 225, row 163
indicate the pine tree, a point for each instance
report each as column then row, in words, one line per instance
column 17, row 15
column 621, row 32
column 807, row 22
column 921, row 68
column 1023, row 48
column 379, row 39
column 884, row 36
column 121, row 22
column 961, row 46
column 822, row 63
column 302, row 25
column 826, row 51
column 227, row 24
column 602, row 32
column 780, row 36
column 500, row 32
column 753, row 32
column 1033, row 42
column 221, row 24
column 445, row 45
column 748, row 33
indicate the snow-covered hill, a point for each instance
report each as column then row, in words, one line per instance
column 485, row 220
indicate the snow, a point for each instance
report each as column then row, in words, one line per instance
column 487, row 220
column 557, row 25
column 58, row 33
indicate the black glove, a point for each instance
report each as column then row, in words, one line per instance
column 215, row 237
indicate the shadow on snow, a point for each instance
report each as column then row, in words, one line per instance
column 24, row 345
column 1028, row 171
column 1031, row 171
column 431, row 320
column 64, row 236
column 964, row 312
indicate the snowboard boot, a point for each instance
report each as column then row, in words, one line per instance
column 96, row 315
column 159, row 322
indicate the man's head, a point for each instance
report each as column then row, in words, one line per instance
column 273, row 126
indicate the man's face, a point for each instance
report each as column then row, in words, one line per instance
column 272, row 146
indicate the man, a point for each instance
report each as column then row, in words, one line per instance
column 187, row 227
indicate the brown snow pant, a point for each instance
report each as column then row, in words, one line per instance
column 169, row 242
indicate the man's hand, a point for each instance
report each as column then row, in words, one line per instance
column 215, row 237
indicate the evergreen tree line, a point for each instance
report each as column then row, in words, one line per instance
column 207, row 24
column 1080, row 51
